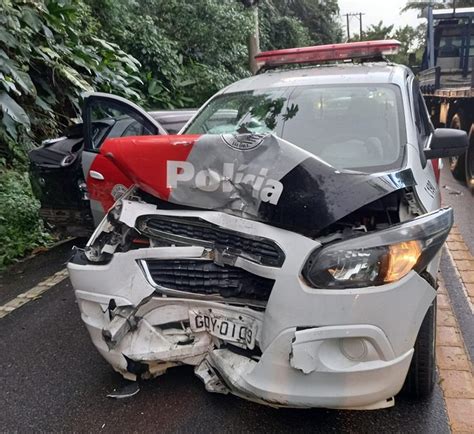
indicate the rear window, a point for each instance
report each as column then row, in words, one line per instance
column 356, row 127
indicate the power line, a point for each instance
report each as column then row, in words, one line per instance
column 358, row 15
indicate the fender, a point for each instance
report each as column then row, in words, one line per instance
column 137, row 160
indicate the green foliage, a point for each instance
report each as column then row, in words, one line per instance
column 412, row 41
column 20, row 226
column 188, row 50
column 164, row 53
column 420, row 5
column 278, row 30
column 320, row 18
column 49, row 55
column 377, row 32
column 53, row 50
column 298, row 23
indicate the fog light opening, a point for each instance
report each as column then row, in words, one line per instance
column 354, row 349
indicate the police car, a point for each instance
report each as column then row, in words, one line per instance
column 286, row 244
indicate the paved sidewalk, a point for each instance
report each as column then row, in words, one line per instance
column 464, row 262
column 455, row 368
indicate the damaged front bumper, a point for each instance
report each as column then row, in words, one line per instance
column 275, row 340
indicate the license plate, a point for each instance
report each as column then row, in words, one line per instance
column 239, row 329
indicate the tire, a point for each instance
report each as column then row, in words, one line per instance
column 421, row 376
column 457, row 165
column 469, row 161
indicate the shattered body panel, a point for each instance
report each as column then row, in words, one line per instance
column 299, row 331
column 275, row 182
column 280, row 278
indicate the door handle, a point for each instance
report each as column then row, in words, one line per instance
column 96, row 175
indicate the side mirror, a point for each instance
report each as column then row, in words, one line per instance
column 447, row 142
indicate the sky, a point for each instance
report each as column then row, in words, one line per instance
column 375, row 10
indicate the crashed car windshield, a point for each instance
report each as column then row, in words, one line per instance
column 348, row 126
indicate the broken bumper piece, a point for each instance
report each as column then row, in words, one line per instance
column 287, row 344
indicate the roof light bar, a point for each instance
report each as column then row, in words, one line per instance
column 323, row 53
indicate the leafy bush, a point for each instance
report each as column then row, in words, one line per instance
column 281, row 31
column 188, row 50
column 21, row 228
column 298, row 23
column 49, row 55
column 165, row 53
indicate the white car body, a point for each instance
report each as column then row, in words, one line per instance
column 338, row 348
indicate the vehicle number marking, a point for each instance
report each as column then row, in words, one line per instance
column 225, row 328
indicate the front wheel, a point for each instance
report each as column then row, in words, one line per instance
column 421, row 376
column 457, row 164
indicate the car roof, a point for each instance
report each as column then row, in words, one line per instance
column 343, row 73
column 172, row 120
column 178, row 114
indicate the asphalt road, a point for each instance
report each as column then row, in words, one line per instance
column 457, row 195
column 52, row 379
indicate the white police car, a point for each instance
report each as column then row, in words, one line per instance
column 286, row 244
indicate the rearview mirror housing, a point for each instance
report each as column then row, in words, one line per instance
column 447, row 142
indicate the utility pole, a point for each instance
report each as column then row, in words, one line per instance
column 348, row 31
column 358, row 15
column 254, row 40
column 431, row 57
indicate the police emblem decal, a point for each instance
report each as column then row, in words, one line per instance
column 243, row 141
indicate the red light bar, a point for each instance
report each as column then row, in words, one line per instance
column 323, row 53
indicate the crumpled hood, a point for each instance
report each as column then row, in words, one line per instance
column 260, row 177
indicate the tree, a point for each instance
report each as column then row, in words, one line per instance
column 279, row 30
column 50, row 52
column 319, row 17
column 188, row 50
column 49, row 55
column 161, row 53
column 296, row 23
column 412, row 41
column 377, row 32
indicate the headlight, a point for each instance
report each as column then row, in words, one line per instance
column 380, row 257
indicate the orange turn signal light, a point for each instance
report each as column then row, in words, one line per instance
column 402, row 258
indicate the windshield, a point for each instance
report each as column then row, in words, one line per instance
column 350, row 127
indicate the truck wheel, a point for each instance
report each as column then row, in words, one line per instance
column 421, row 376
column 469, row 161
column 457, row 165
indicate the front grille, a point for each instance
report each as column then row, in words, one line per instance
column 199, row 232
column 207, row 278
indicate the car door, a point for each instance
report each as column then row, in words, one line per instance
column 108, row 116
